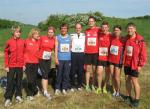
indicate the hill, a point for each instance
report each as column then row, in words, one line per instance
column 83, row 99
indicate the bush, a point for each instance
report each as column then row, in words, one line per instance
column 56, row 19
column 7, row 23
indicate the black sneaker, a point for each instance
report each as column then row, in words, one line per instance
column 127, row 99
column 135, row 103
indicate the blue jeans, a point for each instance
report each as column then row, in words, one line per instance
column 62, row 76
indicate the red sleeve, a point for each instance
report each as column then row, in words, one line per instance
column 6, row 54
column 143, row 54
column 25, row 43
column 40, row 42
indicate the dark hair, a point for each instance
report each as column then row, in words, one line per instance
column 117, row 26
column 64, row 25
column 92, row 17
column 131, row 24
column 105, row 23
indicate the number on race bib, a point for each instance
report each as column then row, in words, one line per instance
column 129, row 50
column 64, row 47
column 114, row 50
column 46, row 55
column 103, row 51
column 91, row 41
column 78, row 49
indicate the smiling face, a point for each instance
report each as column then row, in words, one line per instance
column 131, row 30
column 35, row 35
column 91, row 22
column 17, row 33
column 105, row 29
column 50, row 33
column 63, row 30
column 78, row 28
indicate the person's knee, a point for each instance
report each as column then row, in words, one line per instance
column 107, row 69
column 88, row 69
column 117, row 78
column 99, row 70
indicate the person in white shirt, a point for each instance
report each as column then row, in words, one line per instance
column 77, row 57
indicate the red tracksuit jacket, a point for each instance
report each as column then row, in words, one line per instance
column 14, row 53
column 104, row 44
column 135, row 52
column 46, row 44
column 91, row 40
column 31, row 51
column 116, row 50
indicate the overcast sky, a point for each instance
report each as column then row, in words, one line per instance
column 34, row 11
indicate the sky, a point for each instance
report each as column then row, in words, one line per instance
column 34, row 11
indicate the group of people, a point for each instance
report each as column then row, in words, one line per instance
column 95, row 51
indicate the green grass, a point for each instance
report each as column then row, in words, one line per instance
column 84, row 100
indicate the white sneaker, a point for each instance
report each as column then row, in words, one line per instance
column 47, row 95
column 64, row 92
column 19, row 99
column 117, row 94
column 114, row 94
column 8, row 103
column 72, row 90
column 79, row 89
column 57, row 92
column 30, row 98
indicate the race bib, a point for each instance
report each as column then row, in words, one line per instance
column 103, row 51
column 64, row 47
column 91, row 41
column 46, row 55
column 129, row 50
column 114, row 50
column 78, row 49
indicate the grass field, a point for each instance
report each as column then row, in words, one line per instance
column 85, row 100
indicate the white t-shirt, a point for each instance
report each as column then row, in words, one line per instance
column 78, row 43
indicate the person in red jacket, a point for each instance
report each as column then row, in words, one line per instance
column 31, row 62
column 116, row 58
column 14, row 65
column 104, row 44
column 47, row 44
column 91, row 51
column 134, row 60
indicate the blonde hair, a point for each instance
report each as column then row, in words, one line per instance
column 16, row 28
column 32, row 32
